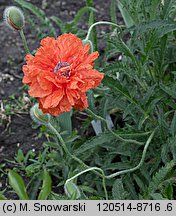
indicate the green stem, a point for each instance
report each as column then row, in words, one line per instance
column 95, row 169
column 100, row 23
column 79, row 161
column 140, row 163
column 92, row 19
column 68, row 152
column 91, row 169
column 116, row 135
column 65, row 147
column 24, row 42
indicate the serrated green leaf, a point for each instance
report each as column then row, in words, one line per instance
column 169, row 90
column 55, row 196
column 168, row 191
column 65, row 123
column 87, row 189
column 91, row 100
column 159, row 177
column 59, row 23
column 81, row 12
column 128, row 182
column 173, row 125
column 113, row 12
column 164, row 152
column 168, row 4
column 116, row 86
column 125, row 14
column 118, row 191
column 139, row 182
column 160, row 28
column 94, row 142
column 157, row 196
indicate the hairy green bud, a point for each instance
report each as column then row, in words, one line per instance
column 72, row 190
column 14, row 18
column 38, row 116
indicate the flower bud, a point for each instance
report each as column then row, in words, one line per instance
column 14, row 18
column 72, row 190
column 38, row 116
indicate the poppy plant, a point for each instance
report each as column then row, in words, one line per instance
column 60, row 73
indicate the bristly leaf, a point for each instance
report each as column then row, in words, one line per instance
column 168, row 191
column 161, row 28
column 125, row 14
column 116, row 86
column 163, row 174
column 113, row 12
column 65, row 123
column 118, row 191
column 173, row 125
column 139, row 182
column 157, row 196
column 81, row 13
column 59, row 23
column 168, row 5
column 94, row 142
column 170, row 90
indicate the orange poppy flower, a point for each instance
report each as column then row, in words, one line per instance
column 60, row 73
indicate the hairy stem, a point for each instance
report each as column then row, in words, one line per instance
column 100, row 23
column 68, row 152
column 97, row 170
column 24, row 42
column 116, row 135
column 140, row 163
column 92, row 19
column 92, row 169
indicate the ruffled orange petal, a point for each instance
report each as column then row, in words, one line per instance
column 60, row 73
column 82, row 102
column 53, row 99
column 92, row 78
column 36, row 91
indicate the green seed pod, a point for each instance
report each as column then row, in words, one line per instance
column 14, row 18
column 38, row 116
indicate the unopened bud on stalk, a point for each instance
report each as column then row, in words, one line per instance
column 38, row 116
column 14, row 18
column 72, row 190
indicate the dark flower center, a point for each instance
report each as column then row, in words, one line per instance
column 62, row 69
